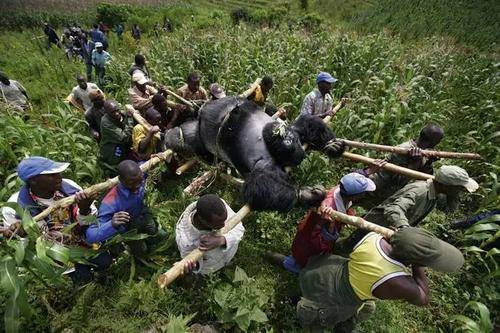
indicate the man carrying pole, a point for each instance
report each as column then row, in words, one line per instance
column 197, row 229
column 388, row 182
column 336, row 291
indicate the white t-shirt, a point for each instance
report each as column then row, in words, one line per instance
column 83, row 95
column 188, row 239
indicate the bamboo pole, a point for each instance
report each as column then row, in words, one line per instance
column 137, row 116
column 361, row 223
column 405, row 151
column 178, row 268
column 186, row 166
column 198, row 182
column 389, row 166
column 180, row 98
column 250, row 90
column 101, row 187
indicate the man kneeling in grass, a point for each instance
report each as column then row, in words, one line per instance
column 123, row 209
column 336, row 290
column 198, row 228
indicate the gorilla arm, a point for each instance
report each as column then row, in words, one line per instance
column 267, row 188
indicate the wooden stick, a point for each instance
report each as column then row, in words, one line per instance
column 137, row 116
column 101, row 187
column 186, row 166
column 231, row 179
column 198, row 182
column 178, row 268
column 389, row 166
column 361, row 223
column 250, row 90
column 180, row 98
column 405, row 151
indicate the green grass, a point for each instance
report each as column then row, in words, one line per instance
column 395, row 88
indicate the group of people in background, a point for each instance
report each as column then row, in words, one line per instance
column 339, row 277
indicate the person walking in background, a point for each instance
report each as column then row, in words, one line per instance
column 136, row 32
column 13, row 93
column 99, row 59
column 52, row 37
column 119, row 31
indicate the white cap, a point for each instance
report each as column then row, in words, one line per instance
column 98, row 44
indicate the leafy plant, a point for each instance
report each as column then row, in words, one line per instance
column 483, row 324
column 240, row 304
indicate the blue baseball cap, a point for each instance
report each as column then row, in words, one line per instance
column 326, row 77
column 37, row 165
column 355, row 183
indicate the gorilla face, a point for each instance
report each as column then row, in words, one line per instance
column 283, row 144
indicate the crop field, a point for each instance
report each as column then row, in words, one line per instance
column 394, row 87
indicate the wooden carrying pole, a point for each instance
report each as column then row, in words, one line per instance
column 178, row 268
column 186, row 166
column 389, row 166
column 180, row 98
column 101, row 187
column 405, row 151
column 137, row 116
column 361, row 223
column 250, row 90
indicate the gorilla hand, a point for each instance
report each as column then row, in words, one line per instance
column 334, row 148
column 311, row 195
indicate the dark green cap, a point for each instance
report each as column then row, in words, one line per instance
column 417, row 246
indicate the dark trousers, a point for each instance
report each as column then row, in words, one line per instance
column 145, row 224
column 99, row 73
column 85, row 273
column 88, row 67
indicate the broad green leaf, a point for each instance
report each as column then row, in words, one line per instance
column 243, row 322
column 258, row 315
column 19, row 246
column 8, row 275
column 485, row 323
column 59, row 253
column 240, row 275
column 483, row 227
column 41, row 250
column 29, row 225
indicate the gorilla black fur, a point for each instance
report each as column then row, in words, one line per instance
column 240, row 133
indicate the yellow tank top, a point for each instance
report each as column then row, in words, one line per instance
column 369, row 266
column 259, row 96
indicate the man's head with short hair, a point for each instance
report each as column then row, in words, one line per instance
column 95, row 26
column 112, row 109
column 97, row 98
column 82, row 81
column 160, row 103
column 140, row 60
column 4, row 78
column 430, row 136
column 130, row 175
column 211, row 213
column 193, row 81
column 153, row 117
column 266, row 84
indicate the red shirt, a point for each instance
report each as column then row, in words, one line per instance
column 309, row 240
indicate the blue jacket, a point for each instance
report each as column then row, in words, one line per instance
column 118, row 199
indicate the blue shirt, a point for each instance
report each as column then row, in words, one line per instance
column 118, row 199
column 97, row 35
column 100, row 59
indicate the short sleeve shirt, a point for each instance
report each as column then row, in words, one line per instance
column 83, row 95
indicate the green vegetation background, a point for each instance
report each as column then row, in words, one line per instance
column 402, row 63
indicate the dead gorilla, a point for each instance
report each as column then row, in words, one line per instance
column 238, row 132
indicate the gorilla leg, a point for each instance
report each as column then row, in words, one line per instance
column 267, row 188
